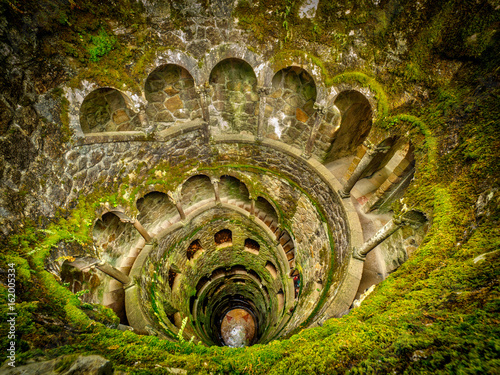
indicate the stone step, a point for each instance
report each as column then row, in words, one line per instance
column 288, row 247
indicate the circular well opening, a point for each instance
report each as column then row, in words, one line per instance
column 238, row 328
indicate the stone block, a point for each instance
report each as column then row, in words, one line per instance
column 174, row 103
column 126, row 126
column 213, row 35
column 169, row 90
column 120, row 116
column 181, row 114
column 300, row 115
column 393, row 178
column 294, row 101
column 164, row 116
column 288, row 110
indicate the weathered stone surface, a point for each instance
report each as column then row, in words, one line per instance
column 198, row 48
column 164, row 116
column 174, row 103
column 120, row 116
column 300, row 115
column 89, row 365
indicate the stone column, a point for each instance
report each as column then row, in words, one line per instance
column 113, row 272
column 125, row 219
column 252, row 206
column 320, row 114
column 204, row 92
column 413, row 218
column 263, row 93
column 215, row 182
column 360, row 168
column 175, row 198
column 144, row 233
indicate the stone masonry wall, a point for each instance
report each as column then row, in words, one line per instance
column 290, row 107
column 171, row 96
column 234, row 106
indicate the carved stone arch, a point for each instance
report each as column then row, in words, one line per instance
column 398, row 168
column 145, row 190
column 356, row 119
column 233, row 188
column 119, row 212
column 312, row 69
column 266, row 205
column 156, row 211
column 76, row 96
column 170, row 91
column 242, row 178
column 195, row 190
column 107, row 109
column 370, row 95
column 291, row 107
column 176, row 57
column 234, row 99
column 233, row 51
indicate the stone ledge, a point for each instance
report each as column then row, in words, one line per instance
column 141, row 136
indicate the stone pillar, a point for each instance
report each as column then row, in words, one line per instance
column 263, row 93
column 360, row 168
column 215, row 183
column 144, row 233
column 320, row 114
column 413, row 218
column 204, row 92
column 398, row 179
column 252, row 206
column 113, row 272
column 175, row 199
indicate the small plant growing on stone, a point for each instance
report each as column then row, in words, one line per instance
column 181, row 330
column 100, row 45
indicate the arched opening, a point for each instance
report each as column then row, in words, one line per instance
column 111, row 235
column 234, row 191
column 193, row 249
column 234, row 99
column 223, row 238
column 171, row 96
column 290, row 106
column 80, row 279
column 266, row 212
column 252, row 246
column 196, row 191
column 107, row 110
column 272, row 269
column 384, row 151
column 288, row 246
column 356, row 122
column 156, row 212
column 171, row 278
column 295, row 275
column 281, row 300
column 390, row 169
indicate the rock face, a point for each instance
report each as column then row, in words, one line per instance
column 65, row 365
